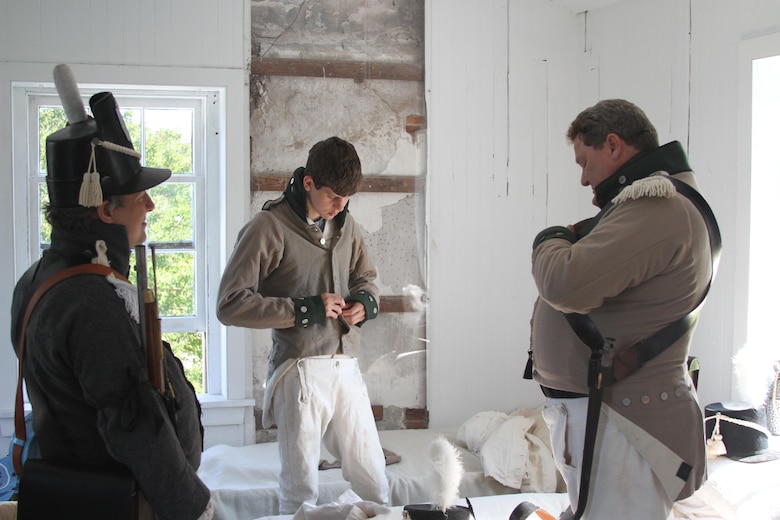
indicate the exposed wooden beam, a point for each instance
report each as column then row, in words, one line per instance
column 392, row 303
column 371, row 183
column 357, row 70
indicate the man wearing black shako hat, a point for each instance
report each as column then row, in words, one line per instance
column 84, row 360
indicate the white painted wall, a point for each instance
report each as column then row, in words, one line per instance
column 504, row 79
column 499, row 86
column 146, row 42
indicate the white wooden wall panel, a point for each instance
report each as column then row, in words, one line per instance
column 713, row 153
column 459, row 94
column 646, row 63
column 180, row 33
column 145, row 44
column 489, row 112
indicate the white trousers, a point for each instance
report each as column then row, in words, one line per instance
column 622, row 484
column 325, row 400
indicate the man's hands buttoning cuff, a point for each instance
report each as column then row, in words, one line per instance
column 369, row 304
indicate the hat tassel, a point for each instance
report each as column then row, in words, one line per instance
column 91, row 194
column 715, row 445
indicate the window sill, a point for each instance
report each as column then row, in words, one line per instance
column 227, row 421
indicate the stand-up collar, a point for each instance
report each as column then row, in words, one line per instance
column 670, row 158
column 78, row 247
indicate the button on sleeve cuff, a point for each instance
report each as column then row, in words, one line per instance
column 369, row 302
column 309, row 311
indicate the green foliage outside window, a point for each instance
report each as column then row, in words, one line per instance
column 171, row 222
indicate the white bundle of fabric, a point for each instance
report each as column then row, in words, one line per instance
column 514, row 449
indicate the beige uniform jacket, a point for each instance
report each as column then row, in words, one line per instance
column 279, row 257
column 646, row 264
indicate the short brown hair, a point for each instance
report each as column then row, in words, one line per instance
column 334, row 163
column 614, row 116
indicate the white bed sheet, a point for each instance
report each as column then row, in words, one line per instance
column 244, row 480
column 753, row 489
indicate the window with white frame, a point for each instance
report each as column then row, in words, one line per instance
column 765, row 164
column 757, row 284
column 171, row 129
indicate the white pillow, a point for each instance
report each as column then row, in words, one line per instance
column 475, row 431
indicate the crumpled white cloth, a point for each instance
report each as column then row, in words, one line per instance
column 514, row 449
column 348, row 506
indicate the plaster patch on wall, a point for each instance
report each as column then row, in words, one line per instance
column 362, row 29
column 295, row 113
column 288, row 115
column 397, row 246
column 261, row 341
column 410, row 157
column 260, row 197
column 396, row 378
column 368, row 208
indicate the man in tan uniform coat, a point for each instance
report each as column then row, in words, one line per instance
column 645, row 264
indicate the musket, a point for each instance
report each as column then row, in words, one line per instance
column 149, row 316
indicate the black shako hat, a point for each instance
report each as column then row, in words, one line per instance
column 430, row 511
column 742, row 429
column 79, row 154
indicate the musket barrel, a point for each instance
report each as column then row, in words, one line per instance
column 149, row 317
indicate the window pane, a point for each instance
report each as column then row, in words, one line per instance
column 164, row 135
column 132, row 117
column 45, row 227
column 175, row 283
column 189, row 348
column 50, row 119
column 174, row 275
column 171, row 220
column 169, row 139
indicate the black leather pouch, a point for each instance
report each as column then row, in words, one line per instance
column 53, row 490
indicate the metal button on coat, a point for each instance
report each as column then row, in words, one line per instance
column 645, row 399
column 664, row 396
column 626, row 401
column 322, row 241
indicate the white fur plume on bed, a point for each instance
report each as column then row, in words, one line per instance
column 448, row 470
